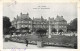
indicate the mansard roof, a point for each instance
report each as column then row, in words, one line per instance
column 51, row 19
column 23, row 17
column 26, row 17
column 59, row 18
column 14, row 20
column 39, row 19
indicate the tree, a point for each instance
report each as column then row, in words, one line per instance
column 72, row 26
column 41, row 32
column 27, row 29
column 12, row 30
column 60, row 30
column 18, row 31
column 69, row 27
column 24, row 30
column 34, row 29
column 54, row 30
column 6, row 25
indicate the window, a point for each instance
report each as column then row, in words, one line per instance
column 60, row 26
column 26, row 25
column 65, row 26
column 29, row 21
column 65, row 23
column 22, row 21
column 41, row 26
column 29, row 26
column 38, row 25
column 53, row 23
column 60, row 22
column 34, row 23
column 22, row 25
column 44, row 26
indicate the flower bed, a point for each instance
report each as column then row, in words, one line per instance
column 56, row 40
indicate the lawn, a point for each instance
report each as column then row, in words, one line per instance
column 55, row 39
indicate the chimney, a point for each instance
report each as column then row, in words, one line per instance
column 21, row 13
column 53, row 18
column 14, row 18
column 27, row 13
column 49, row 18
column 61, row 16
column 17, row 16
column 57, row 16
column 33, row 18
column 42, row 17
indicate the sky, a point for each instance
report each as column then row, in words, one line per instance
column 36, row 10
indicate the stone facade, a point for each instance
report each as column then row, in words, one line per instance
column 39, row 23
column 22, row 21
column 60, row 23
column 25, row 21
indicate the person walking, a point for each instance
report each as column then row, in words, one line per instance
column 26, row 42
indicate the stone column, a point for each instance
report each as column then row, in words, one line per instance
column 57, row 31
column 49, row 36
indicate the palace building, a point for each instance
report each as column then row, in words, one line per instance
column 22, row 21
column 39, row 23
column 60, row 23
column 25, row 21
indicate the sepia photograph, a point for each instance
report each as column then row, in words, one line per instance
column 40, row 26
